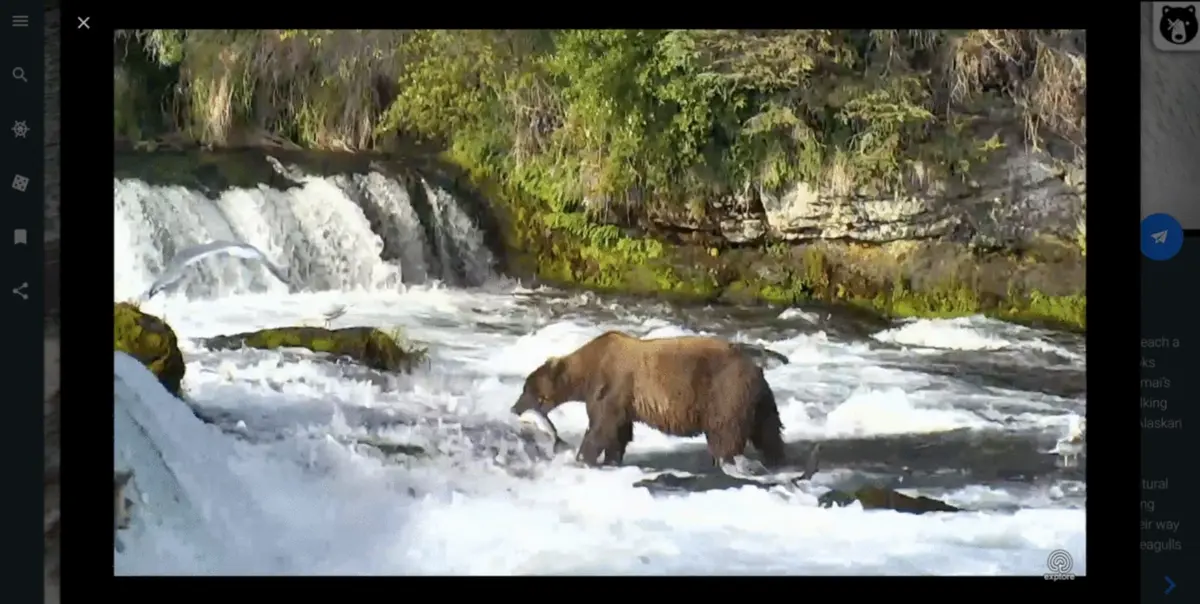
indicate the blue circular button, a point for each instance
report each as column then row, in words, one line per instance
column 1161, row 236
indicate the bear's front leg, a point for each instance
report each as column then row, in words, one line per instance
column 590, row 449
column 614, row 454
column 606, row 410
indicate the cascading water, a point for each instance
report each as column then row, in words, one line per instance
column 459, row 243
column 346, row 232
column 285, row 462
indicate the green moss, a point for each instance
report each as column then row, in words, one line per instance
column 951, row 300
column 636, row 118
column 151, row 341
column 569, row 250
column 778, row 294
column 635, row 121
column 368, row 346
column 1068, row 312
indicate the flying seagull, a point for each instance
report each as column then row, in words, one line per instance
column 194, row 254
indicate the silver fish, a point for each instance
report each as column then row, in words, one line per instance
column 541, row 423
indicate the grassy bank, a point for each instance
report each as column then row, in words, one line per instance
column 583, row 136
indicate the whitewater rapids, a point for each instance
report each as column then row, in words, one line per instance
column 283, row 486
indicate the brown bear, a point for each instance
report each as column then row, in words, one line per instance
column 683, row 386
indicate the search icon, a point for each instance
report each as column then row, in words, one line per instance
column 19, row 74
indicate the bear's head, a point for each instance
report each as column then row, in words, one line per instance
column 1178, row 24
column 546, row 388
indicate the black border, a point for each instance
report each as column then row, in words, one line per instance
column 1114, row 259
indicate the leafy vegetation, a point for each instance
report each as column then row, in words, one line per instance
column 582, row 133
column 622, row 119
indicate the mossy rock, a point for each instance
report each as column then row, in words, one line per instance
column 387, row 448
column 151, row 341
column 876, row 498
column 367, row 346
column 901, row 279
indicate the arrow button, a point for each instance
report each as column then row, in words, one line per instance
column 1170, row 586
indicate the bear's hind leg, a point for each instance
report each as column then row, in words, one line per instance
column 767, row 438
column 769, row 442
column 725, row 448
column 603, row 434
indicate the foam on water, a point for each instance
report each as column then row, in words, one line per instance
column 282, row 487
column 970, row 333
column 309, row 504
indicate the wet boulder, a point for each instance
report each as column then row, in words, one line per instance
column 386, row 447
column 877, row 498
column 366, row 346
column 151, row 341
column 668, row 483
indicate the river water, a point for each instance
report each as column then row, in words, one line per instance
column 305, row 465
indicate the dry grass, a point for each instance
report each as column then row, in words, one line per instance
column 1044, row 73
column 332, row 83
column 538, row 111
column 839, row 178
column 1081, row 231
column 908, row 96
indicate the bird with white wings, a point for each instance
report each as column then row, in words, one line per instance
column 180, row 262
column 1073, row 443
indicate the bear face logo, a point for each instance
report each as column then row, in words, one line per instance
column 1178, row 24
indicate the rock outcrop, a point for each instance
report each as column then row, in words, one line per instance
column 151, row 341
column 876, row 498
column 1020, row 198
column 367, row 346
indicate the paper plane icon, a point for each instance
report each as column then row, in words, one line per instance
column 1159, row 237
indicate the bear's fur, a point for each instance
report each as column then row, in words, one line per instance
column 684, row 386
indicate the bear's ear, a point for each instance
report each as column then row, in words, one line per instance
column 1191, row 8
column 556, row 366
column 1166, row 10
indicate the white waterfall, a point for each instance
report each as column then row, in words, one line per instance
column 353, row 232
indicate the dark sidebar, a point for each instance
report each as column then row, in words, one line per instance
column 1170, row 381
column 22, row 50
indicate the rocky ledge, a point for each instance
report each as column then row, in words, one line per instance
column 367, row 346
column 1009, row 241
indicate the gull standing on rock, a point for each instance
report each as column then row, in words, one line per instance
column 334, row 313
column 1071, row 446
